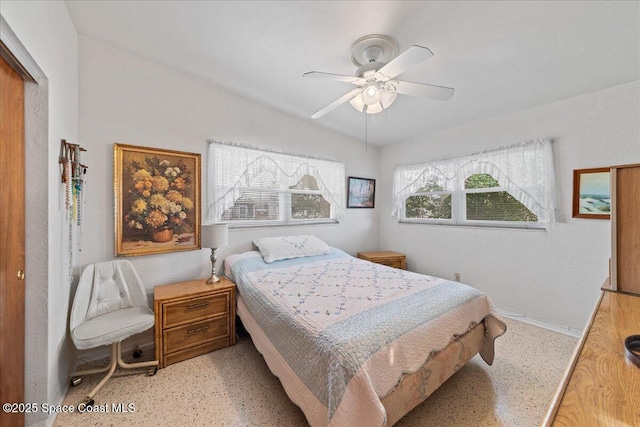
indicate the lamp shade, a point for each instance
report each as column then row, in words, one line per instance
column 214, row 236
column 371, row 93
column 385, row 99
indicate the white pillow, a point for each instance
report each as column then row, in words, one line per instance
column 287, row 247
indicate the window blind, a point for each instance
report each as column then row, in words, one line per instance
column 236, row 172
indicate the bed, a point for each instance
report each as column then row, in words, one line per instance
column 358, row 343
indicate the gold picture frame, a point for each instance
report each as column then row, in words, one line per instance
column 157, row 200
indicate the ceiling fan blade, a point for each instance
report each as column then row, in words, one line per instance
column 423, row 90
column 339, row 77
column 407, row 59
column 336, row 103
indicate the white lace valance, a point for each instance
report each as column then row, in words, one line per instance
column 232, row 169
column 525, row 170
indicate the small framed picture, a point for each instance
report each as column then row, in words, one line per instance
column 361, row 192
column 592, row 193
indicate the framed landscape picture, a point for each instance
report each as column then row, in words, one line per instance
column 361, row 192
column 591, row 193
column 157, row 200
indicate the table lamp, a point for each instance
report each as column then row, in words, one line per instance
column 214, row 236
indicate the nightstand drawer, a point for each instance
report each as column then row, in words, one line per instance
column 195, row 333
column 391, row 262
column 190, row 352
column 179, row 313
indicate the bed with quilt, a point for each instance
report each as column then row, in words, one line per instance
column 353, row 342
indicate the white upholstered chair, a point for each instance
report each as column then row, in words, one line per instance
column 110, row 305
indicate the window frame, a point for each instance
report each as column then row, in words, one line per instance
column 449, row 221
column 286, row 219
column 233, row 170
column 526, row 169
column 459, row 210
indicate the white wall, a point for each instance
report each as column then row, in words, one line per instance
column 554, row 276
column 125, row 99
column 46, row 31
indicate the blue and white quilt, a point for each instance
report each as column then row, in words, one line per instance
column 350, row 329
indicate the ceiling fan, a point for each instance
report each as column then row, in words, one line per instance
column 378, row 62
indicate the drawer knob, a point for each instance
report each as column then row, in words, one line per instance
column 201, row 304
column 197, row 330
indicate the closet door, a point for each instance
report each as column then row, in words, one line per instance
column 625, row 228
column 11, row 242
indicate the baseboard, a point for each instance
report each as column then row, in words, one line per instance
column 51, row 419
column 540, row 323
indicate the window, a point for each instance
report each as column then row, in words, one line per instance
column 511, row 187
column 251, row 187
column 307, row 202
column 486, row 200
column 429, row 202
column 302, row 201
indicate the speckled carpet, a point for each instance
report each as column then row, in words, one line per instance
column 234, row 387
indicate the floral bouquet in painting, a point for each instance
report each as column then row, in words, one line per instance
column 159, row 198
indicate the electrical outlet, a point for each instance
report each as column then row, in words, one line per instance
column 456, row 277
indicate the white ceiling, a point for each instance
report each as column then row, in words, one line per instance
column 499, row 56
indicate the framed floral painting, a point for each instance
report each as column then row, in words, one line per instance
column 157, row 200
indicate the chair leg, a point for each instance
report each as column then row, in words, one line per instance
column 76, row 376
column 88, row 400
column 116, row 360
column 126, row 365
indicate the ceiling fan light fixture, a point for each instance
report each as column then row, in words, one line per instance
column 375, row 108
column 387, row 98
column 358, row 103
column 371, row 93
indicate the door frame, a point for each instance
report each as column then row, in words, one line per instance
column 37, row 146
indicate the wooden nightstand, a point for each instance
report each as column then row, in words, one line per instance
column 392, row 259
column 193, row 318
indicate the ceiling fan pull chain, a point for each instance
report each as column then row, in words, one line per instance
column 366, row 136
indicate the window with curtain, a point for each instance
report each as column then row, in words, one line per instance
column 508, row 187
column 252, row 187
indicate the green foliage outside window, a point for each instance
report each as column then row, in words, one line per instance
column 480, row 180
column 495, row 205
column 432, row 206
column 308, row 206
column 481, row 206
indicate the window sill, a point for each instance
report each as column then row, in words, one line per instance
column 269, row 224
column 481, row 226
